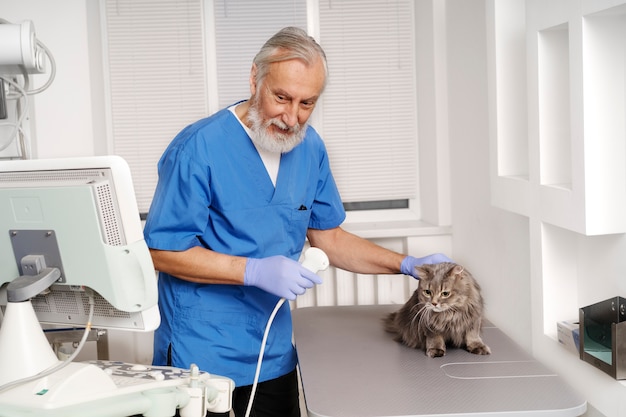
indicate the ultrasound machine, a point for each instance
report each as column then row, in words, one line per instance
column 72, row 254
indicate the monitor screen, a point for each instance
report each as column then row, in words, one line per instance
column 78, row 215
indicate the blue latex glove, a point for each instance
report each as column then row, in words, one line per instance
column 410, row 263
column 280, row 276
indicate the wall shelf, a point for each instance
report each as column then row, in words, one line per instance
column 557, row 107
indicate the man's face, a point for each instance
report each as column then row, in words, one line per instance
column 283, row 102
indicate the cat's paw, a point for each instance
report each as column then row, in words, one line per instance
column 435, row 352
column 479, row 349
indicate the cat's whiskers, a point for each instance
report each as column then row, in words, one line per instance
column 420, row 308
column 425, row 318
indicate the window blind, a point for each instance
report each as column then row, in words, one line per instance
column 370, row 104
column 157, row 84
column 367, row 115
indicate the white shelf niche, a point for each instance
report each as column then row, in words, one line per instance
column 560, row 299
column 554, row 107
column 576, row 272
column 508, row 131
column 576, row 105
column 604, row 92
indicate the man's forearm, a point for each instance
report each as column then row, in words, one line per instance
column 200, row 265
column 353, row 253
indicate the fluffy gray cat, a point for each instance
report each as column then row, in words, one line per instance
column 446, row 307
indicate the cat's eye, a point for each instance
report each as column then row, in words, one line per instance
column 428, row 292
column 445, row 294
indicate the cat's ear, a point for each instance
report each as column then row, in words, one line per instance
column 422, row 273
column 457, row 271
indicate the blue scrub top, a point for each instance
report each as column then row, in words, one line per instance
column 215, row 192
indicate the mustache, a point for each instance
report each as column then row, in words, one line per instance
column 285, row 129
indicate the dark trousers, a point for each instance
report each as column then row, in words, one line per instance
column 274, row 398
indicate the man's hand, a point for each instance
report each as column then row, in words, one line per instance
column 280, row 276
column 410, row 263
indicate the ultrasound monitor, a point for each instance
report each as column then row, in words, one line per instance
column 80, row 216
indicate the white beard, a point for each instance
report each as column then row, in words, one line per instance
column 274, row 142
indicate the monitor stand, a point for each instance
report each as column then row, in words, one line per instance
column 24, row 348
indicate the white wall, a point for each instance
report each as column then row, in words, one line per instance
column 493, row 244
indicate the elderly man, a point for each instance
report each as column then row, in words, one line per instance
column 238, row 194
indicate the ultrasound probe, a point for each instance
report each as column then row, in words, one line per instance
column 314, row 260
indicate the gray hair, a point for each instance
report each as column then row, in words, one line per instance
column 288, row 43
